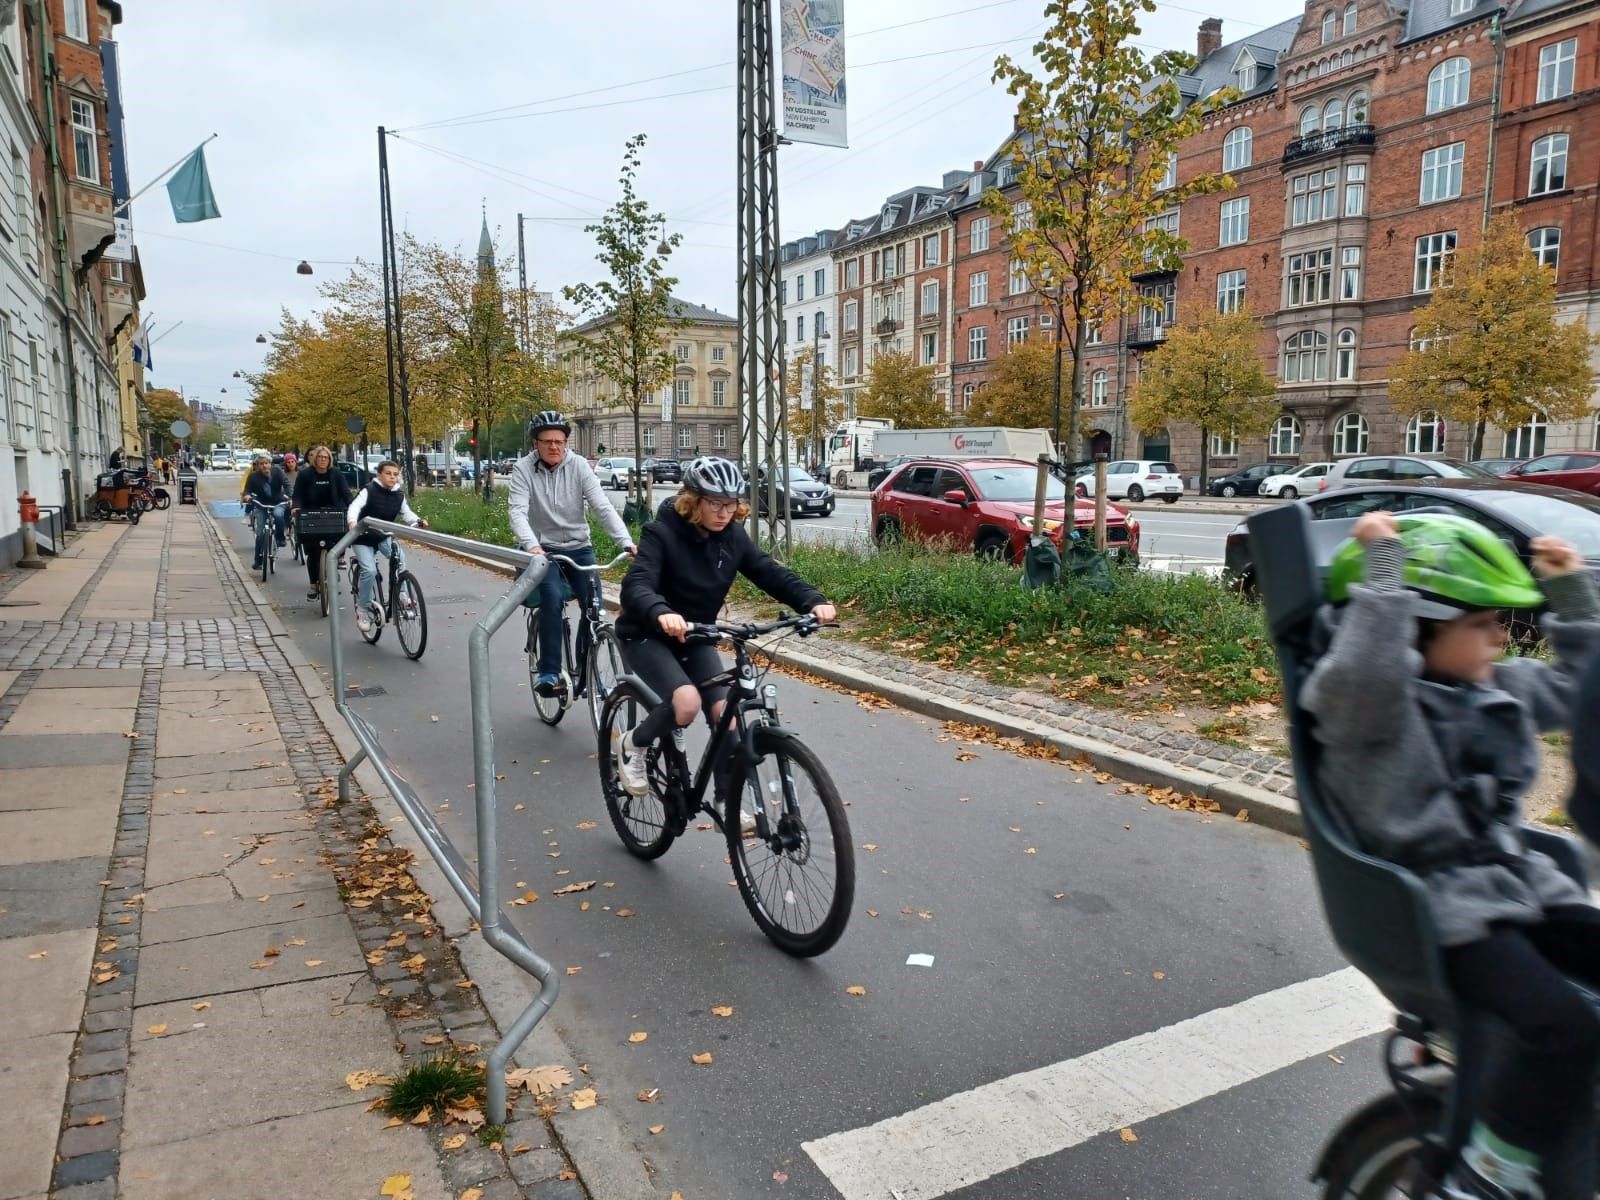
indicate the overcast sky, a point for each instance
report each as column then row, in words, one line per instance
column 296, row 90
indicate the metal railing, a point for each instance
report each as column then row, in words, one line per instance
column 1328, row 140
column 479, row 889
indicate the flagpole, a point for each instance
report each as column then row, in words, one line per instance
column 165, row 173
column 174, row 329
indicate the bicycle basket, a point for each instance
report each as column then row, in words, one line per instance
column 326, row 523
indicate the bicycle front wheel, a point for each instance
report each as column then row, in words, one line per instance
column 376, row 629
column 798, row 881
column 410, row 615
column 605, row 668
column 640, row 821
column 549, row 708
column 325, row 582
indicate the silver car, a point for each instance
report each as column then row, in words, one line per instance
column 1409, row 468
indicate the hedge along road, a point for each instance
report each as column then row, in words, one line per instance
column 1064, row 919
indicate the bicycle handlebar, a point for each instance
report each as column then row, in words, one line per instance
column 805, row 623
column 596, row 569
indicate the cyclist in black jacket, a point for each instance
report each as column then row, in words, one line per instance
column 318, row 488
column 688, row 558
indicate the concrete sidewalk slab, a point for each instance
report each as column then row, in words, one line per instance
column 62, row 749
column 268, row 799
column 214, row 702
column 181, row 922
column 199, row 679
column 207, row 966
column 227, row 763
column 182, row 735
column 254, row 876
column 90, row 677
column 50, row 834
column 32, row 788
column 44, row 994
column 50, row 897
column 34, row 1069
column 202, row 889
column 183, row 846
column 74, row 710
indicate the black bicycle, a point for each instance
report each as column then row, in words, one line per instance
column 315, row 530
column 591, row 662
column 400, row 604
column 264, row 518
column 796, row 870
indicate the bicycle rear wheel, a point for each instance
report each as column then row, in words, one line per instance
column 640, row 821
column 410, row 615
column 604, row 669
column 800, row 880
column 549, row 708
column 325, row 581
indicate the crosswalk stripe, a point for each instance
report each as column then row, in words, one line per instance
column 973, row 1135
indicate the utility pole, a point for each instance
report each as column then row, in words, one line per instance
column 522, row 287
column 393, row 326
column 761, row 368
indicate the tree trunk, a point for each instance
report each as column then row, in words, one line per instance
column 1205, row 444
column 1477, row 437
column 1074, row 436
column 636, row 484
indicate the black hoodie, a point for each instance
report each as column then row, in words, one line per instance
column 685, row 570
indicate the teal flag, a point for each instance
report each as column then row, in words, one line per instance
column 189, row 189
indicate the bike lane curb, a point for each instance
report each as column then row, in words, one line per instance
column 609, row 1162
column 1263, row 807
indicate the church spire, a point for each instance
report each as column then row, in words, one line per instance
column 485, row 244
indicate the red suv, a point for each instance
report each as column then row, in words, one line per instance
column 985, row 503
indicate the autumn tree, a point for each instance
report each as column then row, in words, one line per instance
column 1098, row 131
column 1490, row 348
column 1207, row 373
column 634, row 304
column 816, row 405
column 901, row 391
column 166, row 406
column 1020, row 391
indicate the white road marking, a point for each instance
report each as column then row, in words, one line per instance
column 974, row 1135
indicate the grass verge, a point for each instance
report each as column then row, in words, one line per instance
column 1157, row 639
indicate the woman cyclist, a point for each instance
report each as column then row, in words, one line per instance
column 318, row 488
column 1429, row 741
column 688, row 558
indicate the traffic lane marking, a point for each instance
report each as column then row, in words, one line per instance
column 974, row 1135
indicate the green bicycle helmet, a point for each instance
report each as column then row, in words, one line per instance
column 1453, row 563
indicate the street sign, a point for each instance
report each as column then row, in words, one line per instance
column 355, row 424
column 181, row 428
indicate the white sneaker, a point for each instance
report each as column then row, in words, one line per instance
column 631, row 770
column 364, row 621
column 747, row 824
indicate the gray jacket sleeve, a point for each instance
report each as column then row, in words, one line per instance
column 1548, row 689
column 1360, row 690
column 600, row 505
column 517, row 506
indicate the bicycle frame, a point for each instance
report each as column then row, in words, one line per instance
column 591, row 618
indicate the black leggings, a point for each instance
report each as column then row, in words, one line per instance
column 314, row 546
column 1539, row 1090
column 665, row 667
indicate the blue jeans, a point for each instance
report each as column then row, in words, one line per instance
column 367, row 557
column 555, row 590
column 280, row 513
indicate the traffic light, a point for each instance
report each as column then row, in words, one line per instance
column 473, row 440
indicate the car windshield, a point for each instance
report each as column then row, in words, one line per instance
column 800, row 475
column 1455, row 468
column 1015, row 484
column 1576, row 519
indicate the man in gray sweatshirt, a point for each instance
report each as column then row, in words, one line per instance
column 552, row 490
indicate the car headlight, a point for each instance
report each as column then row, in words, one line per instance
column 1025, row 520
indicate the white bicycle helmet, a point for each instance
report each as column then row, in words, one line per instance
column 716, row 477
column 549, row 419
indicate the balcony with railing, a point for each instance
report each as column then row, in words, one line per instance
column 1327, row 141
column 1142, row 334
column 887, row 327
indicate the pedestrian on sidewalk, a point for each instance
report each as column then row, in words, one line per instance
column 318, row 488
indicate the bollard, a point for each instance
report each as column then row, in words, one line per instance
column 28, row 510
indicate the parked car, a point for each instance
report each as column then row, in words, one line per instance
column 1517, row 512
column 1246, row 482
column 615, row 472
column 1292, row 483
column 1134, row 479
column 1496, row 466
column 805, row 495
column 987, row 504
column 1578, row 471
column 878, row 474
column 667, row 470
column 1381, row 468
column 355, row 475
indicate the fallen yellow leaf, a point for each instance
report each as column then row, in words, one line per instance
column 638, row 1037
column 271, row 952
column 102, row 1120
column 540, row 1081
column 1129, row 1135
column 584, row 1098
column 315, row 962
column 456, row 1142
column 423, row 1117
column 470, row 1117
column 157, row 1030
column 855, row 989
column 574, row 970
column 201, row 1006
column 722, row 1010
column 393, row 1123
column 472, row 1194
column 434, row 1039
column 358, row 1080
column 702, row 1060
column 624, row 912
column 40, row 954
column 396, row 1185
column 657, row 1128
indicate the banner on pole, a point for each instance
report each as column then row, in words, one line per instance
column 813, row 71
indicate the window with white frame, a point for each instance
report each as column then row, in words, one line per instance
column 930, row 348
column 682, row 352
column 1225, row 445
column 1165, row 222
column 968, row 391
column 680, row 392
column 799, row 287
column 1344, row 364
column 1329, row 26
column 1305, row 357
column 1425, row 433
column 1433, row 250
column 1460, row 8
column 1333, row 114
column 852, row 362
column 685, row 436
column 85, row 141
column 819, row 322
column 77, row 23
column 1098, row 390
column 1230, row 291
column 978, row 289
column 719, row 353
column 1284, row 440
column 1547, row 166
column 1022, row 215
column 930, row 250
column 719, row 438
column 852, row 273
column 1312, row 196
column 978, row 343
column 1546, row 246
column 1158, row 306
column 1528, row 441
column 648, row 432
column 1234, row 221
column 783, row 291
column 1556, row 65
column 9, row 399
column 1350, row 273
column 1449, row 84
column 1357, row 108
column 1355, row 189
column 1309, row 278
column 891, row 261
column 978, row 239
column 1094, row 332
column 1016, row 330
column 819, row 282
column 1350, row 435
column 1349, row 19
column 1169, row 176
column 1441, row 172
column 1017, row 282
column 851, row 319
column 719, row 393
column 1310, row 120
column 930, row 298
column 800, row 328
column 1237, row 148
column 1244, row 73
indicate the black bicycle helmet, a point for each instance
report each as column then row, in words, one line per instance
column 712, row 476
column 549, row 419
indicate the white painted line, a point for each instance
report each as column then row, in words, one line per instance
column 956, row 1142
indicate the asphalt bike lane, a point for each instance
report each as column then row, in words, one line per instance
column 1098, row 962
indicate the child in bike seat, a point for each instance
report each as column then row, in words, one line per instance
column 1429, row 738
